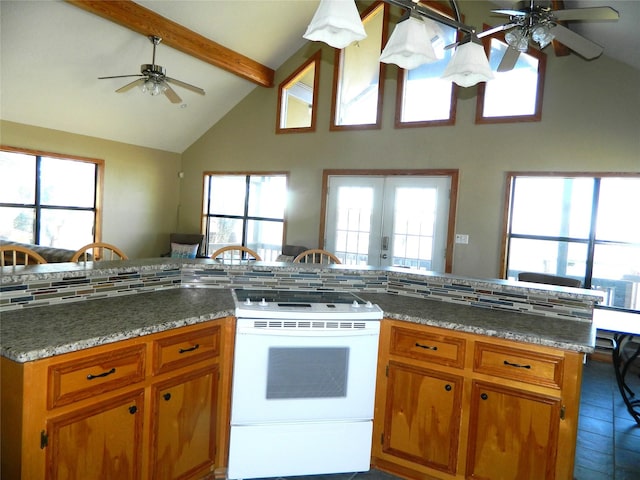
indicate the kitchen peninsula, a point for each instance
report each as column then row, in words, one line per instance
column 59, row 315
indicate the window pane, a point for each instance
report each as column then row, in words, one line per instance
column 359, row 75
column 618, row 210
column 425, row 96
column 21, row 169
column 545, row 256
column 552, row 206
column 267, row 196
column 228, row 195
column 355, row 207
column 265, row 237
column 223, row 232
column 69, row 229
column 16, row 224
column 512, row 93
column 56, row 175
column 616, row 271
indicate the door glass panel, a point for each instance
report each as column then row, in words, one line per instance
column 307, row 372
column 414, row 227
column 354, row 211
column 57, row 175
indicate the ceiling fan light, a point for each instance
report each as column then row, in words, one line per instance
column 336, row 23
column 147, row 87
column 542, row 35
column 409, row 45
column 469, row 64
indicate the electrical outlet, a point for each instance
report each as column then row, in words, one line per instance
column 462, row 238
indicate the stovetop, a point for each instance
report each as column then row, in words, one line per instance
column 298, row 304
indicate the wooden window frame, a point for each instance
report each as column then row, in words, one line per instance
column 290, row 80
column 333, row 126
column 99, row 180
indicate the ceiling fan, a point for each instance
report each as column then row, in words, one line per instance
column 540, row 24
column 153, row 79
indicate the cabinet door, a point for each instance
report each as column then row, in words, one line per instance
column 184, row 424
column 422, row 416
column 513, row 434
column 97, row 442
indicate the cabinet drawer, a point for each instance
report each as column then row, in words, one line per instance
column 186, row 348
column 86, row 377
column 519, row 364
column 428, row 346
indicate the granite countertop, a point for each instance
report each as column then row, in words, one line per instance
column 35, row 333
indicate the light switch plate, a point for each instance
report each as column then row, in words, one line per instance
column 462, row 238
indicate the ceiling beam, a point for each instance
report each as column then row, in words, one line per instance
column 146, row 22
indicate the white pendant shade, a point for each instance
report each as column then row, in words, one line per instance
column 336, row 23
column 409, row 45
column 468, row 66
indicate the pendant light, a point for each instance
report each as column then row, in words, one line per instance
column 336, row 23
column 469, row 64
column 410, row 44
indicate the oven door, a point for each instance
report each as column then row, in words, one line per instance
column 298, row 375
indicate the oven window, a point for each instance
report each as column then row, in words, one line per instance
column 307, row 372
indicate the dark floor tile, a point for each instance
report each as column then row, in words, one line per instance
column 628, row 459
column 623, row 474
column 581, row 473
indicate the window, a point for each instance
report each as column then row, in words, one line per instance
column 390, row 218
column 423, row 97
column 49, row 200
column 245, row 209
column 298, row 98
column 577, row 225
column 514, row 95
column 358, row 82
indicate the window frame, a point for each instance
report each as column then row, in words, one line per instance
column 402, row 79
column 591, row 242
column 98, row 190
column 338, row 58
column 542, row 70
column 314, row 60
column 205, row 204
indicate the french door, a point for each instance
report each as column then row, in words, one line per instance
column 394, row 220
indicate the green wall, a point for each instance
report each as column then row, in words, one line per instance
column 141, row 185
column 590, row 122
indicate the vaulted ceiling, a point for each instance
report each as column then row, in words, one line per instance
column 52, row 53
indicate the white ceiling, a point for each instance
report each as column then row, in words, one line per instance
column 52, row 54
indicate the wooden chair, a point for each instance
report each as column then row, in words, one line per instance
column 11, row 255
column 99, row 251
column 235, row 253
column 316, row 255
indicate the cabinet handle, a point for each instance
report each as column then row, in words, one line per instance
column 484, row 396
column 448, row 387
column 426, row 347
column 185, row 350
column 517, row 365
column 167, row 396
column 104, row 374
column 133, row 409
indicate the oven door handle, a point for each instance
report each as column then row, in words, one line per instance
column 261, row 332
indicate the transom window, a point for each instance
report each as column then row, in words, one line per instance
column 245, row 209
column 49, row 200
column 582, row 226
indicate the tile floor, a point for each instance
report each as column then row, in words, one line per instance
column 608, row 445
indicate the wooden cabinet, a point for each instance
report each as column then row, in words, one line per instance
column 453, row 405
column 154, row 407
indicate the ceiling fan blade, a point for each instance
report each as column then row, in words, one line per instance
column 120, row 76
column 511, row 13
column 509, row 60
column 591, row 13
column 129, row 86
column 582, row 46
column 185, row 85
column 170, row 93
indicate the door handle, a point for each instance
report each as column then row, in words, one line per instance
column 384, row 256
